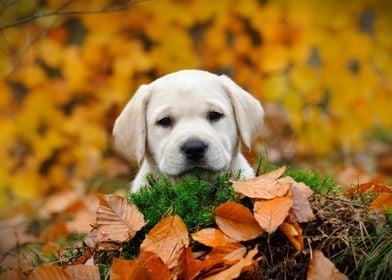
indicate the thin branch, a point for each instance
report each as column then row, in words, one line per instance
column 38, row 15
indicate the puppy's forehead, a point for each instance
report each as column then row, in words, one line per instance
column 194, row 93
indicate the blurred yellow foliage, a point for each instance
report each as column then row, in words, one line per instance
column 66, row 77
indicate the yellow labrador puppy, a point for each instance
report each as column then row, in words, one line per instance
column 186, row 120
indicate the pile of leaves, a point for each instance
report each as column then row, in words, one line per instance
column 273, row 227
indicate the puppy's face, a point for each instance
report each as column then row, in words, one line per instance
column 188, row 119
column 190, row 125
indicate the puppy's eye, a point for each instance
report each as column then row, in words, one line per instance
column 165, row 122
column 214, row 116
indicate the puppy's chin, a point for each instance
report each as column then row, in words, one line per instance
column 193, row 168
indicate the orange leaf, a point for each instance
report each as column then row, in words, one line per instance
column 48, row 272
column 270, row 214
column 191, row 268
column 235, row 270
column 211, row 237
column 14, row 274
column 382, row 202
column 54, row 232
column 82, row 271
column 117, row 219
column 127, row 269
column 321, row 268
column 166, row 239
column 237, row 222
column 294, row 234
column 266, row 186
column 301, row 211
column 371, row 186
column 229, row 251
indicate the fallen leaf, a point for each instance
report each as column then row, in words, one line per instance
column 370, row 186
column 81, row 221
column 13, row 233
column 237, row 221
column 191, row 268
column 229, row 251
column 301, row 211
column 211, row 237
column 48, row 272
column 166, row 239
column 58, row 202
column 117, row 219
column 301, row 186
column 321, row 268
column 82, row 272
column 13, row 274
column 53, row 232
column 266, row 186
column 270, row 214
column 127, row 269
column 85, row 257
column 382, row 202
column 146, row 266
column 294, row 233
column 96, row 239
column 235, row 270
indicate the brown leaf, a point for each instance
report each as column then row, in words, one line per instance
column 96, row 239
column 117, row 219
column 191, row 268
column 82, row 272
column 294, row 234
column 58, row 202
column 382, row 202
column 321, row 268
column 48, row 272
column 166, row 239
column 81, row 221
column 266, row 186
column 13, row 233
column 211, row 237
column 370, row 186
column 85, row 257
column 127, row 269
column 54, row 232
column 270, row 214
column 146, row 266
column 13, row 274
column 235, row 270
column 237, row 222
column 229, row 251
column 302, row 211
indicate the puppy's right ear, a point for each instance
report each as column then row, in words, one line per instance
column 130, row 127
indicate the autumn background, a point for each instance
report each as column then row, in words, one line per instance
column 322, row 69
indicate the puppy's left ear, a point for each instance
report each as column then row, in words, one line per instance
column 248, row 111
column 129, row 130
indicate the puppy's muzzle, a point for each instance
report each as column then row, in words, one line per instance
column 194, row 149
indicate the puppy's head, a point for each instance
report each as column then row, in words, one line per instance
column 186, row 120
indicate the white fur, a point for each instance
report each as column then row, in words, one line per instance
column 187, row 97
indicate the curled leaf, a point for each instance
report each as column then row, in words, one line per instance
column 117, row 219
column 321, row 268
column 167, row 238
column 270, row 214
column 237, row 222
column 212, row 237
column 294, row 233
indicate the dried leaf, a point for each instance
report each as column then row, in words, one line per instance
column 237, row 222
column 191, row 268
column 146, row 266
column 321, row 268
column 54, row 232
column 235, row 270
column 266, row 186
column 294, row 234
column 270, row 214
column 48, row 272
column 382, row 202
column 211, row 237
column 370, row 186
column 127, row 269
column 302, row 211
column 13, row 233
column 82, row 272
column 13, row 274
column 166, row 239
column 229, row 251
column 117, row 219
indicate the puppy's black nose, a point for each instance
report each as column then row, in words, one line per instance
column 194, row 149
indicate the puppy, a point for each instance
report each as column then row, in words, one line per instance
column 190, row 119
